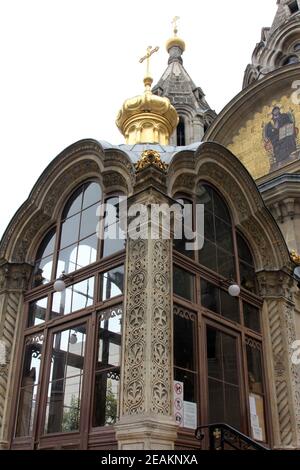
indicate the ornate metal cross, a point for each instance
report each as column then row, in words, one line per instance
column 150, row 51
column 175, row 25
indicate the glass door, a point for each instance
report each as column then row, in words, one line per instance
column 224, row 387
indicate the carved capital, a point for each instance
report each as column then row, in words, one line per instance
column 276, row 284
column 14, row 276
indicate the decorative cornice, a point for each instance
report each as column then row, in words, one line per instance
column 150, row 158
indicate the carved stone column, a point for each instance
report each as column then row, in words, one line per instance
column 146, row 401
column 13, row 281
column 279, row 330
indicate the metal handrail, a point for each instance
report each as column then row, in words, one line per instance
column 222, row 434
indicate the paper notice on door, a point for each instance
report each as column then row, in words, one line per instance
column 190, row 415
column 257, row 433
column 254, row 420
column 252, row 405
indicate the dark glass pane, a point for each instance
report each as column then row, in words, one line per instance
column 216, row 401
column 114, row 240
column 87, row 251
column 189, row 380
column 112, row 283
column 220, row 208
column 29, row 385
column 92, row 194
column 73, row 298
column 251, row 317
column 226, row 266
column 89, row 221
column 42, row 271
column 243, row 250
column 223, row 385
column 210, row 296
column 214, row 354
column 183, row 283
column 109, row 338
column 70, row 231
column 204, row 196
column 230, row 307
column 74, row 204
column 180, row 245
column 27, row 406
column 209, row 226
column 184, row 343
column 224, row 235
column 208, row 255
column 255, row 374
column 37, row 312
column 229, row 353
column 106, row 396
column 232, row 406
column 47, row 246
column 248, row 277
column 66, row 376
column 67, row 260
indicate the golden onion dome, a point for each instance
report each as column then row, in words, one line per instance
column 147, row 118
column 175, row 41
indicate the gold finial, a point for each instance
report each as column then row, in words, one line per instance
column 175, row 26
column 175, row 40
column 148, row 79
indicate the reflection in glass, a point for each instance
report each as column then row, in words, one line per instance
column 87, row 252
column 114, row 237
column 107, row 373
column 112, row 283
column 29, row 385
column 247, row 270
column 78, row 232
column 73, row 298
column 70, row 231
column 65, row 382
column 219, row 301
column 106, row 397
column 89, row 221
column 217, row 253
column 44, row 263
column 37, row 312
column 67, row 260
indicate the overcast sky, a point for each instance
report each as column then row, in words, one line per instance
column 67, row 66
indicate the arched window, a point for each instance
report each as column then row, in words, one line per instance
column 218, row 250
column 218, row 357
column 72, row 339
column 181, row 132
column 293, row 59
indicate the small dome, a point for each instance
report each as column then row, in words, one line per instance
column 147, row 118
column 175, row 41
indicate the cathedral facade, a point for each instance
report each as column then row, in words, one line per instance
column 123, row 329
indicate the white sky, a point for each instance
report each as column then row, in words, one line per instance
column 67, row 66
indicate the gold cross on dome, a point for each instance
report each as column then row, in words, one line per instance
column 175, row 25
column 150, row 51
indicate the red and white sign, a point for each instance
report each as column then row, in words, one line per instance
column 178, row 403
